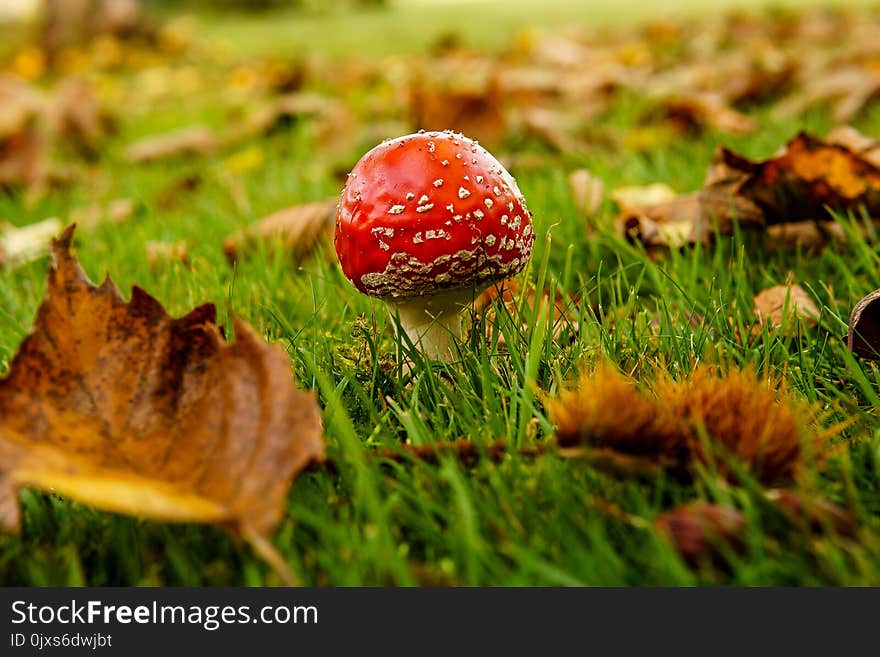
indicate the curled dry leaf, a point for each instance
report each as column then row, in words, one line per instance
column 459, row 93
column 862, row 145
column 115, row 213
column 186, row 142
column 298, row 230
column 864, row 327
column 697, row 110
column 162, row 252
column 22, row 245
column 587, row 191
column 810, row 177
column 123, row 407
column 754, row 423
column 778, row 305
column 701, row 530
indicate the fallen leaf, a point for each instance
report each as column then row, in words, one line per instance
column 778, row 305
column 76, row 118
column 864, row 327
column 587, row 191
column 702, row 530
column 161, row 252
column 19, row 246
column 114, row 213
column 808, row 236
column 459, row 93
column 696, row 110
column 298, row 230
column 639, row 196
column 862, row 145
column 666, row 225
column 194, row 140
column 120, row 406
column 810, row 177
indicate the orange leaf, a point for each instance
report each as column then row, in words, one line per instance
column 123, row 407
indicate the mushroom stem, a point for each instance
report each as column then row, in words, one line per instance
column 433, row 322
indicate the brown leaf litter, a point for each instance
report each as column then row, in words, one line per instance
column 118, row 405
column 797, row 190
column 784, row 306
column 297, row 230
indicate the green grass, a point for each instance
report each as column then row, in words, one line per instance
column 523, row 521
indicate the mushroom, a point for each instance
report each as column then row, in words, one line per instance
column 426, row 222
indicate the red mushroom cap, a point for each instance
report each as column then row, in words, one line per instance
column 428, row 212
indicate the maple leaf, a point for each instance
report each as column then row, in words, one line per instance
column 123, row 407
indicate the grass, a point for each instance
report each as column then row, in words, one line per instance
column 523, row 521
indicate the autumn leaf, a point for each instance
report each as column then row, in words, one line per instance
column 123, row 407
column 810, row 177
column 298, row 230
column 190, row 141
column 22, row 245
column 701, row 530
column 777, row 306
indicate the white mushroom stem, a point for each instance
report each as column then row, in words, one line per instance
column 433, row 322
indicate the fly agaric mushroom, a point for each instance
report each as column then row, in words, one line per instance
column 426, row 222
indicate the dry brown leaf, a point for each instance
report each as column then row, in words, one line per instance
column 76, row 118
column 864, row 327
column 114, row 213
column 751, row 422
column 778, row 305
column 587, row 191
column 807, row 179
column 23, row 149
column 809, row 236
column 666, row 225
column 298, row 230
column 459, row 93
column 162, row 252
column 862, row 145
column 194, row 140
column 19, row 246
column 696, row 110
column 123, row 407
column 701, row 530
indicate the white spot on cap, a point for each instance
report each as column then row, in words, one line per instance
column 384, row 246
column 450, row 207
column 396, row 209
column 445, row 163
column 431, row 147
column 425, row 199
column 463, row 193
column 410, row 196
column 438, row 182
column 424, row 208
column 490, row 240
column 479, row 179
column 478, row 214
column 504, row 220
column 417, row 238
column 496, row 191
column 488, row 203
